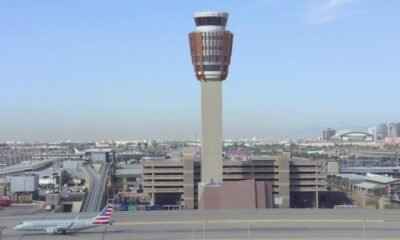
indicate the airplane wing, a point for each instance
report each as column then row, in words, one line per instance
column 71, row 224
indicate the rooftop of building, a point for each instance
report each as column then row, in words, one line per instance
column 98, row 150
column 379, row 178
column 369, row 177
column 374, row 168
column 351, row 176
column 368, row 185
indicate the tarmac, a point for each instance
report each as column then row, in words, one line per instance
column 294, row 224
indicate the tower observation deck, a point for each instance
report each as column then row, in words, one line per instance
column 211, row 48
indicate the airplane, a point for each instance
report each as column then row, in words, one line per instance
column 77, row 152
column 316, row 152
column 53, row 226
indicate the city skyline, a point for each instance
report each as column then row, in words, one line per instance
column 87, row 71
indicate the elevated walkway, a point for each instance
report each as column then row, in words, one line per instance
column 23, row 167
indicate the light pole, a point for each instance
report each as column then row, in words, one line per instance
column 316, row 185
column 349, row 186
column 248, row 231
column 204, row 230
column 363, row 229
column 24, row 191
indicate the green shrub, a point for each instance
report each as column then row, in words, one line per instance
column 392, row 206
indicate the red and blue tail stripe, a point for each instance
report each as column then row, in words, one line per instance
column 105, row 215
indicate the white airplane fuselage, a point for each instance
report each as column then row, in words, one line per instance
column 53, row 226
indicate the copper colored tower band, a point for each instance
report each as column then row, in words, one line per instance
column 211, row 48
column 205, row 54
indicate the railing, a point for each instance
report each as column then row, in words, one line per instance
column 159, row 177
column 164, row 190
column 162, row 183
column 307, row 189
column 163, row 170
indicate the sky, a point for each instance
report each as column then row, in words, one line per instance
column 91, row 70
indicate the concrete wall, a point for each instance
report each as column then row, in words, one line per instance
column 188, row 184
column 210, row 198
column 53, row 199
column 24, row 197
column 76, row 207
column 264, row 196
column 245, row 194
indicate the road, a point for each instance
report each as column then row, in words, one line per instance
column 94, row 197
column 90, row 196
column 231, row 224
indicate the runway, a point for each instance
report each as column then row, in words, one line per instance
column 291, row 224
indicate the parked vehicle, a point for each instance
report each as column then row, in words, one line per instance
column 5, row 202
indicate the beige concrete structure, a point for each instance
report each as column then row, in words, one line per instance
column 292, row 180
column 211, row 142
column 188, row 183
column 166, row 179
column 3, row 190
column 333, row 168
column 284, row 179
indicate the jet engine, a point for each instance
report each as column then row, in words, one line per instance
column 51, row 231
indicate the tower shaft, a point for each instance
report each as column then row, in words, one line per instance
column 211, row 119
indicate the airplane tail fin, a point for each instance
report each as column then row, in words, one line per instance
column 76, row 151
column 104, row 217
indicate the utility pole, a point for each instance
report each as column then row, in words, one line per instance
column 204, row 230
column 363, row 229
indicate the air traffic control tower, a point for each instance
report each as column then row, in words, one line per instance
column 211, row 48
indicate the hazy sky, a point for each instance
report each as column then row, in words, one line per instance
column 85, row 70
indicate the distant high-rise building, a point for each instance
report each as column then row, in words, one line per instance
column 211, row 48
column 373, row 132
column 382, row 131
column 328, row 133
column 393, row 130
